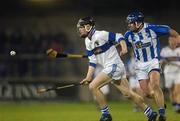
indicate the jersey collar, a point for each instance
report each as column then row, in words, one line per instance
column 91, row 33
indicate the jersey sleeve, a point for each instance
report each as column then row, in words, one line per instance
column 117, row 37
column 91, row 56
column 126, row 36
column 113, row 37
column 159, row 29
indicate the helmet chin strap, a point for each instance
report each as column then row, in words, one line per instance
column 138, row 26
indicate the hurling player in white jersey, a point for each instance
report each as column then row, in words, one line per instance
column 171, row 59
column 143, row 38
column 101, row 50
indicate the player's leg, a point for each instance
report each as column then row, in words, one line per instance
column 147, row 92
column 99, row 81
column 105, row 88
column 172, row 82
column 169, row 79
column 172, row 96
column 177, row 93
column 142, row 77
column 123, row 86
column 139, row 91
column 154, row 77
column 155, row 85
column 134, row 85
column 146, row 88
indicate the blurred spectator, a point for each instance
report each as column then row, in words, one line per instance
column 170, row 58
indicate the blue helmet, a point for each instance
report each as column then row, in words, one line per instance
column 136, row 16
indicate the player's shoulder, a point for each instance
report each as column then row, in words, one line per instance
column 150, row 25
column 101, row 32
column 153, row 25
column 128, row 33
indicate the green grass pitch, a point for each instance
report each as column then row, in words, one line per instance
column 68, row 111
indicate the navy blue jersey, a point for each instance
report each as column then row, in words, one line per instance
column 146, row 43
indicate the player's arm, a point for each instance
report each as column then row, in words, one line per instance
column 167, row 59
column 119, row 38
column 163, row 60
column 126, row 38
column 123, row 47
column 165, row 30
column 174, row 58
column 90, row 73
column 92, row 65
column 163, row 55
column 89, row 76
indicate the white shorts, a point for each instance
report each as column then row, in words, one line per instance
column 115, row 71
column 133, row 82
column 171, row 76
column 105, row 88
column 98, row 69
column 142, row 69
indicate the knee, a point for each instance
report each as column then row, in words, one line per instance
column 155, row 80
column 149, row 95
column 155, row 86
column 146, row 91
column 92, row 87
column 128, row 94
column 116, row 82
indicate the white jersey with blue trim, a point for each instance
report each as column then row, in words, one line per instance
column 101, row 49
column 146, row 43
column 168, row 52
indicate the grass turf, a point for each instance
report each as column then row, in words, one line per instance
column 68, row 111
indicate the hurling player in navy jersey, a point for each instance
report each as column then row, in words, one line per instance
column 143, row 38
